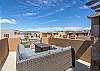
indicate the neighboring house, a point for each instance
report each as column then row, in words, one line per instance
column 7, row 33
column 29, row 34
column 53, row 34
column 68, row 34
column 78, row 34
column 46, row 34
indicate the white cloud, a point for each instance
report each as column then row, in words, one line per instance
column 62, row 9
column 84, row 7
column 32, row 3
column 29, row 14
column 49, row 14
column 42, row 29
column 76, row 28
column 50, row 29
column 52, row 13
column 48, row 21
column 57, row 29
column 7, row 21
column 78, row 16
column 27, row 29
column 45, row 2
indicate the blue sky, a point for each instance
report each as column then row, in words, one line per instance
column 44, row 15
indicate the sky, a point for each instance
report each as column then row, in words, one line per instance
column 44, row 15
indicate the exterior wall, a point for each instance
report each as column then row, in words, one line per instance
column 95, row 27
column 84, row 52
column 13, row 42
column 68, row 35
column 75, row 43
column 61, row 33
column 30, row 35
column 10, row 32
column 63, row 42
column 0, row 34
column 4, row 51
column 87, row 55
column 43, row 34
column 83, row 38
column 7, row 45
column 45, row 40
column 95, row 32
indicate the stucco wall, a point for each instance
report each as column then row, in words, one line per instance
column 63, row 42
column 10, row 32
column 75, row 43
column 87, row 55
column 4, row 51
column 13, row 42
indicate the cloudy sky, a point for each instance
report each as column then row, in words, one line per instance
column 44, row 15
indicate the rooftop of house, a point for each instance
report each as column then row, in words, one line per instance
column 27, row 53
column 80, row 64
column 94, row 5
column 94, row 15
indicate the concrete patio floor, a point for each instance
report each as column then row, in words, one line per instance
column 80, row 65
column 10, row 64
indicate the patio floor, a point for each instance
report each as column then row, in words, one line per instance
column 10, row 64
column 80, row 65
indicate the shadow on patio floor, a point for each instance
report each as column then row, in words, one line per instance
column 79, row 66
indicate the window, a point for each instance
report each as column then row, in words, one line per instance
column 6, row 35
column 15, row 33
column 31, row 36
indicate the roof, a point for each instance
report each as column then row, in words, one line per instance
column 94, row 15
column 96, row 5
column 92, row 2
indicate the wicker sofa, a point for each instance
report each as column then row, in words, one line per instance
column 59, row 59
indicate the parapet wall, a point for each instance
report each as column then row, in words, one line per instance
column 75, row 43
column 63, row 42
column 4, row 51
column 7, row 45
column 13, row 42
